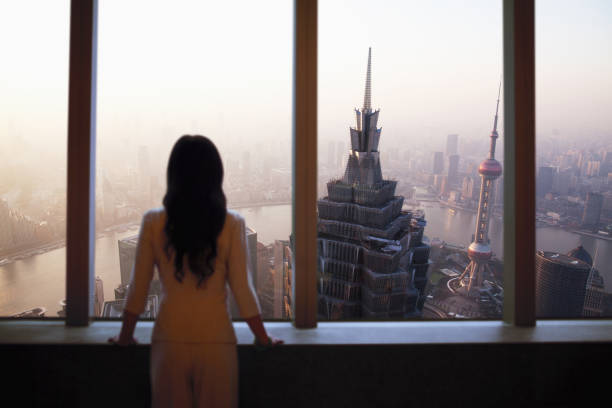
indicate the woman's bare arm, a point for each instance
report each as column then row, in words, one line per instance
column 126, row 336
column 256, row 325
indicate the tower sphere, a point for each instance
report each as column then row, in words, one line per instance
column 479, row 251
column 490, row 167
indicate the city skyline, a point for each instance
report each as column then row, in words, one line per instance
column 425, row 67
column 433, row 80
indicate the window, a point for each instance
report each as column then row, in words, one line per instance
column 299, row 256
column 33, row 110
column 222, row 70
column 574, row 159
column 410, row 210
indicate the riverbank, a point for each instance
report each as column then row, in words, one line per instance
column 30, row 250
column 542, row 224
column 23, row 252
column 260, row 204
column 590, row 234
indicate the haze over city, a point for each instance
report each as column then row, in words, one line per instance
column 208, row 68
column 224, row 70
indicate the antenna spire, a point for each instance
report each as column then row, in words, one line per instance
column 494, row 134
column 497, row 108
column 367, row 98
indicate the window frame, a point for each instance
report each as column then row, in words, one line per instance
column 519, row 146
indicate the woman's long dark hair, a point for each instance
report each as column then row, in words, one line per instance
column 195, row 205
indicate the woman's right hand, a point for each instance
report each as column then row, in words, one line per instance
column 262, row 340
column 271, row 342
column 267, row 343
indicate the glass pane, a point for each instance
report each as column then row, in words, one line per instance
column 574, row 159
column 33, row 125
column 410, row 197
column 219, row 69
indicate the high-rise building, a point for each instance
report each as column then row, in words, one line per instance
column 18, row 229
column 452, row 144
column 252, row 255
column 592, row 210
column 453, row 169
column 6, row 225
column 470, row 189
column 127, row 257
column 606, row 165
column 467, row 188
column 98, row 296
column 563, row 181
column 438, row 163
column 365, row 240
column 479, row 252
column 265, row 279
column 544, row 181
column 282, row 279
column 560, row 285
column 445, row 186
column 593, row 167
column 606, row 209
column 251, row 242
column 439, row 181
column 594, row 296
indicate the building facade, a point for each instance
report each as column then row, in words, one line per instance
column 560, row 285
column 592, row 210
column 371, row 253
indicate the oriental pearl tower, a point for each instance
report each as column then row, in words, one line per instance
column 479, row 250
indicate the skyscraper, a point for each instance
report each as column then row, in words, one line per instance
column 592, row 210
column 251, row 241
column 365, row 240
column 452, row 144
column 544, row 181
column 562, row 181
column 282, row 279
column 560, row 285
column 98, row 296
column 479, row 250
column 606, row 165
column 438, row 163
column 453, row 169
column 127, row 257
column 595, row 293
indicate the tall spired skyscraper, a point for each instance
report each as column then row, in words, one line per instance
column 479, row 250
column 372, row 261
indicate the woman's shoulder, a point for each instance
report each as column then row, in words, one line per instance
column 154, row 216
column 157, row 218
column 233, row 219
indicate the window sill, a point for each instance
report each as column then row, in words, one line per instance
column 349, row 333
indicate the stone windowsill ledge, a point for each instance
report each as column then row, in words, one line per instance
column 327, row 333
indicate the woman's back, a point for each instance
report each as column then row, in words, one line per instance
column 199, row 247
column 188, row 312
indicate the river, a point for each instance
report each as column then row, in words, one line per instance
column 40, row 280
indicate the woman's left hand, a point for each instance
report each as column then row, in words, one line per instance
column 122, row 342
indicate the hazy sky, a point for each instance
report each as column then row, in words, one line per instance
column 224, row 69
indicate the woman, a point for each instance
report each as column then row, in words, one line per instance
column 198, row 247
